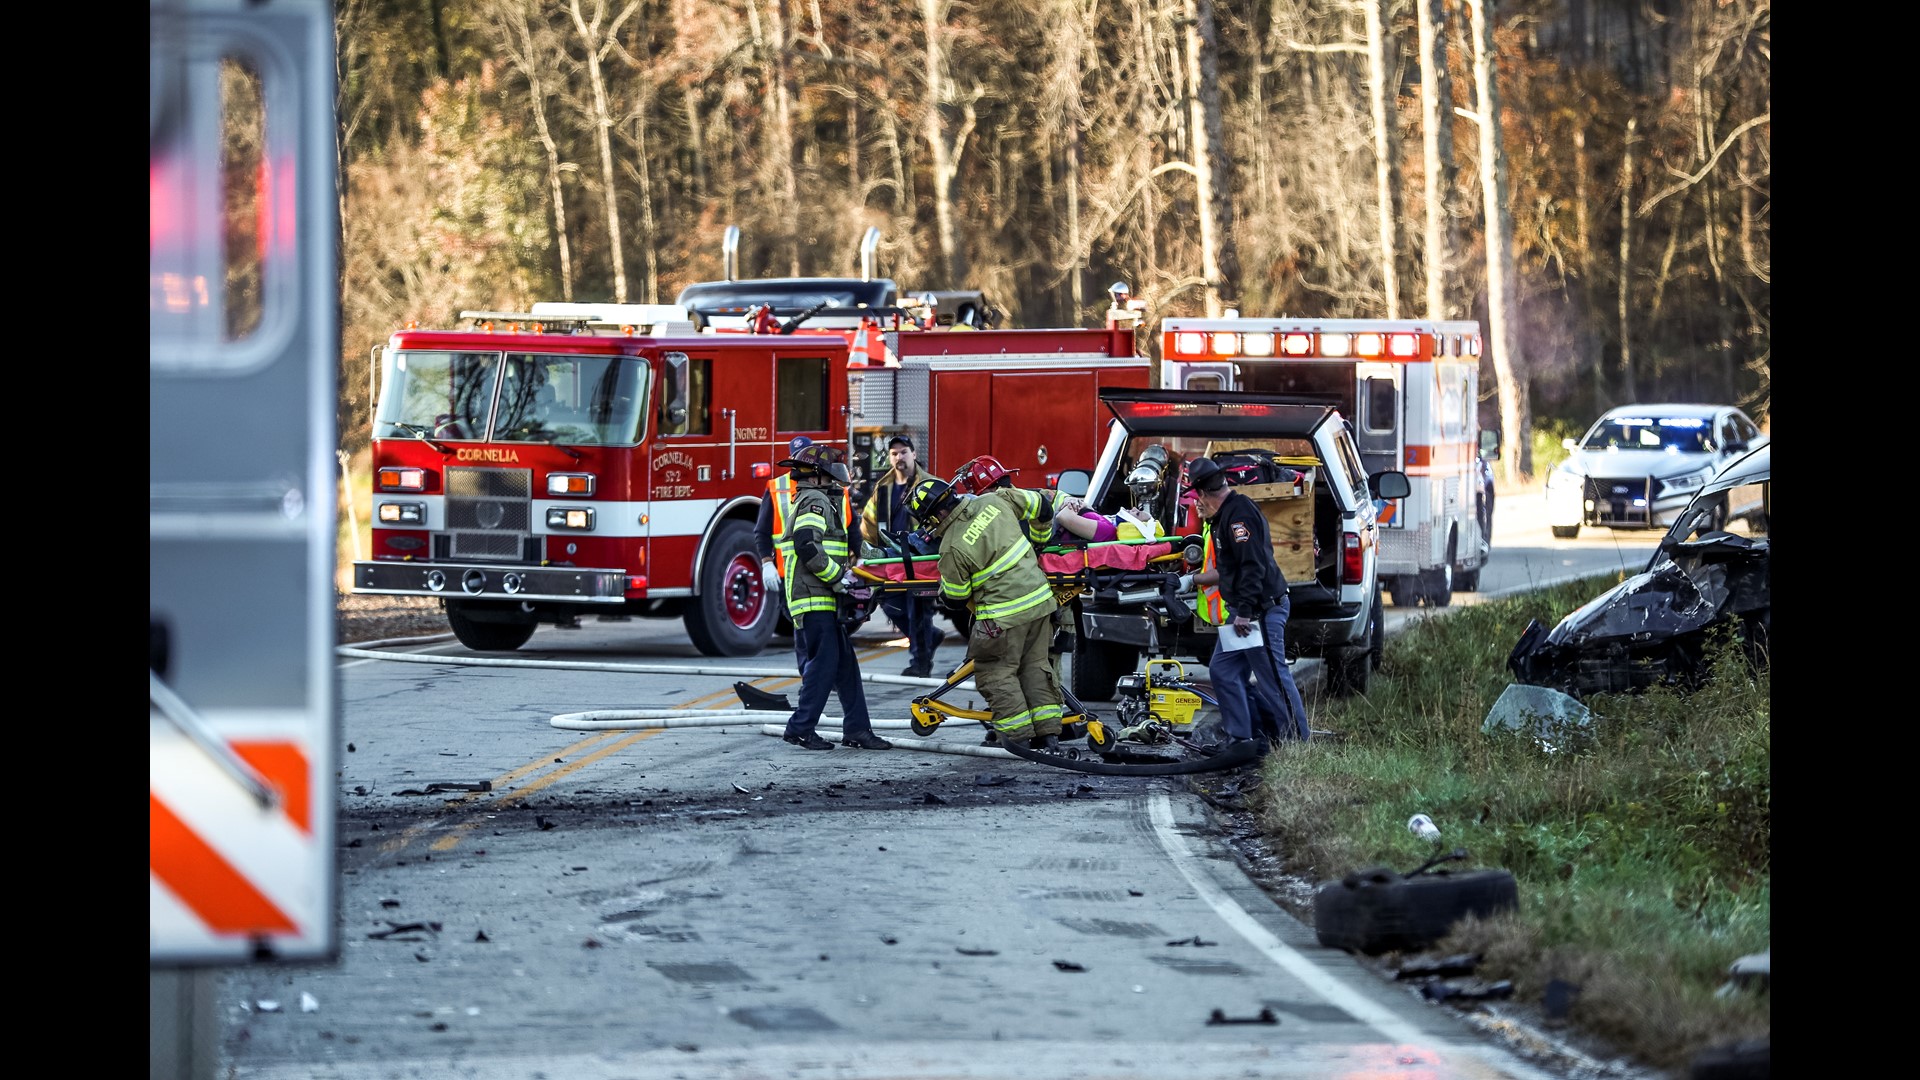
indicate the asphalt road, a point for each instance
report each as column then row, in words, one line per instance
column 709, row 902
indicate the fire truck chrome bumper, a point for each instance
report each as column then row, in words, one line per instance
column 469, row 581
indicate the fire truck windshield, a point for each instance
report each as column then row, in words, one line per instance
column 513, row 397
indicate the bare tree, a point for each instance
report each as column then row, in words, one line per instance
column 1219, row 262
column 945, row 150
column 1385, row 142
column 1503, row 331
column 534, row 53
column 1436, row 138
column 598, row 38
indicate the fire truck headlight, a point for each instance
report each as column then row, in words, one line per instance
column 569, row 483
column 436, row 580
column 512, row 582
column 570, row 517
column 397, row 479
column 403, row 513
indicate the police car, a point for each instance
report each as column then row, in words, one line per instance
column 1639, row 465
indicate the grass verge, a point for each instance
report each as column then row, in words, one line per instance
column 1643, row 860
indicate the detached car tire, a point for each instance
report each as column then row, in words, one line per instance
column 1376, row 910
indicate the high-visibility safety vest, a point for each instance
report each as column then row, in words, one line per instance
column 780, row 491
column 1212, row 608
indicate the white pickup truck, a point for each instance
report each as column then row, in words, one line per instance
column 1325, row 536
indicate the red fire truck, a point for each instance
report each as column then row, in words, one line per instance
column 597, row 458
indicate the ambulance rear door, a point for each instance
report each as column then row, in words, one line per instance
column 1379, row 426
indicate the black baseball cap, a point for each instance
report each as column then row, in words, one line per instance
column 900, row 440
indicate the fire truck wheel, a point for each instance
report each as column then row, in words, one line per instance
column 1098, row 665
column 482, row 634
column 734, row 613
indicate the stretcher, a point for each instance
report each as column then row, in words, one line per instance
column 1070, row 569
column 1149, row 567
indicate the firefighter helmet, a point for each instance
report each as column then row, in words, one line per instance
column 818, row 459
column 928, row 498
column 978, row 476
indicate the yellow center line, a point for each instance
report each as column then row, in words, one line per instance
column 570, row 765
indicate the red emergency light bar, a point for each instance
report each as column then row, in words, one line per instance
column 1177, row 408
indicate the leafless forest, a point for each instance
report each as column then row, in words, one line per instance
column 1303, row 157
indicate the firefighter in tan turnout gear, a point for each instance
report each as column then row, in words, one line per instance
column 987, row 563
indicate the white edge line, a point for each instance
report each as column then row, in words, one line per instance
column 1336, row 993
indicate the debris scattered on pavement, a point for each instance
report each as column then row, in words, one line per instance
column 1440, row 968
column 389, row 903
column 481, row 935
column 932, row 799
column 991, row 779
column 742, row 790
column 395, row 929
column 1475, row 990
column 1068, row 965
column 438, row 787
column 1558, row 998
column 1219, row 1016
column 964, row 951
column 542, row 821
column 266, row 1005
column 1194, row 940
column 309, row 1003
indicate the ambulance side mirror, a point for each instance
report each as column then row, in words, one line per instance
column 1489, row 443
column 1075, row 482
column 1391, row 484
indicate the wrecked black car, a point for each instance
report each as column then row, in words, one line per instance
column 1709, row 575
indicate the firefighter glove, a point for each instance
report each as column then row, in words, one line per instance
column 770, row 575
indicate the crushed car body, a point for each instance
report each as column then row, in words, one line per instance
column 1655, row 627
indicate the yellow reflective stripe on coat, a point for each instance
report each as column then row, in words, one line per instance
column 1041, row 595
column 1212, row 608
column 1007, row 560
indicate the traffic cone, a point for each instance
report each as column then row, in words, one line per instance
column 858, row 357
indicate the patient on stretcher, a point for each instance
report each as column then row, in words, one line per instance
column 1076, row 519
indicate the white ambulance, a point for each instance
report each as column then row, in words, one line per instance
column 1411, row 388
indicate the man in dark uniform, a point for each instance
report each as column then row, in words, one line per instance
column 817, row 576
column 1255, row 591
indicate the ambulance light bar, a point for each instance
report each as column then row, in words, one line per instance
column 1227, row 344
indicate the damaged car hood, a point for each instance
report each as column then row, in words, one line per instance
column 1653, row 627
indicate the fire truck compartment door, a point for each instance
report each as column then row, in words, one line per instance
column 1043, row 422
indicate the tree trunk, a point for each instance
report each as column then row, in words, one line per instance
column 1219, row 262
column 1628, row 390
column 530, row 57
column 1385, row 138
column 1503, row 331
column 597, row 42
column 946, row 154
column 779, row 133
column 1436, row 138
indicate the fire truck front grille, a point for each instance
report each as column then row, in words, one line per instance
column 489, row 513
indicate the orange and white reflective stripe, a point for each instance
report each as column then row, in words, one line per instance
column 1213, row 607
column 224, row 872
